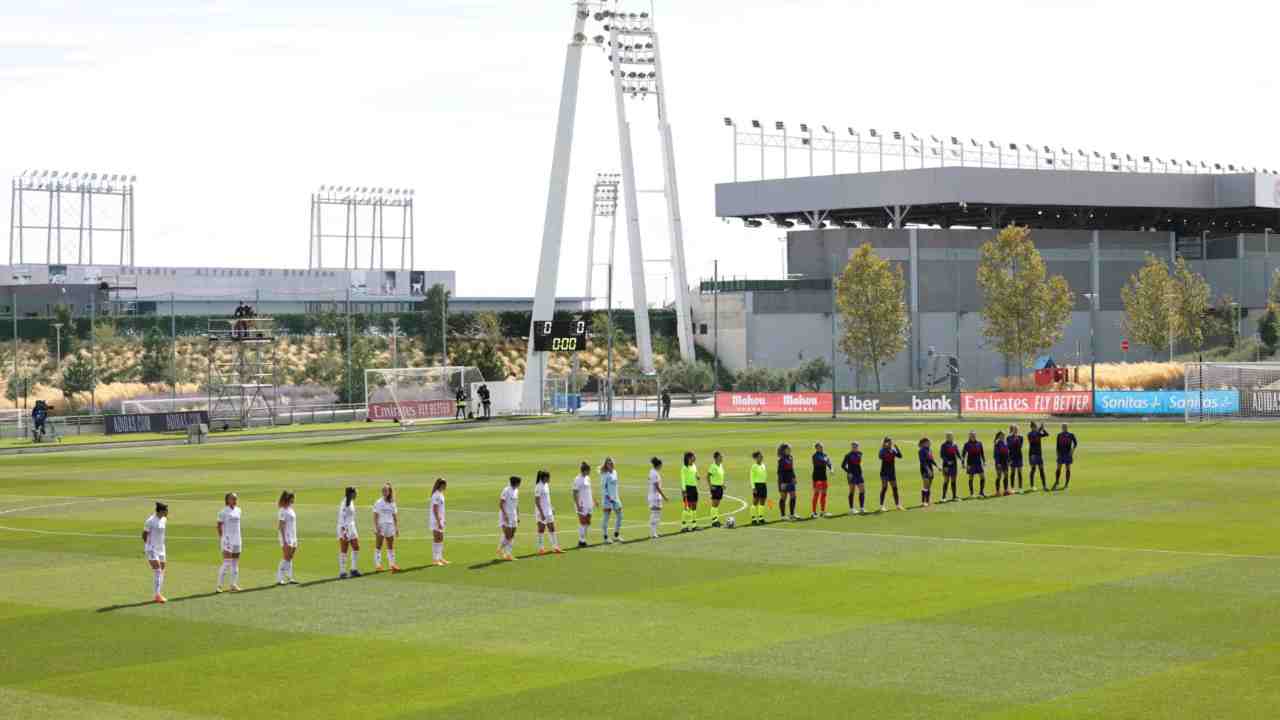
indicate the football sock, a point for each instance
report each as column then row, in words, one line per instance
column 280, row 571
column 850, row 500
column 540, row 543
column 355, row 555
column 377, row 556
column 604, row 526
column 982, row 484
column 582, row 533
column 391, row 556
column 896, row 501
column 437, row 550
column 883, row 490
column 222, row 571
column 617, row 521
column 158, row 581
column 288, row 568
column 813, row 503
column 555, row 539
column 862, row 499
column 793, row 504
column 715, row 514
column 655, row 516
column 822, row 502
column 235, row 571
column 342, row 563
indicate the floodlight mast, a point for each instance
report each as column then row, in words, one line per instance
column 544, row 299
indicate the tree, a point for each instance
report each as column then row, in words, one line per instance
column 1273, row 297
column 1146, row 305
column 870, row 295
column 77, row 377
column 18, row 387
column 691, row 377
column 1025, row 309
column 1188, row 304
column 66, row 338
column 1269, row 330
column 481, row 354
column 362, row 358
column 812, row 374
column 434, row 306
column 155, row 356
column 760, row 379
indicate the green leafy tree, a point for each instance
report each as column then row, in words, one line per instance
column 870, row 295
column 434, row 306
column 812, row 375
column 1188, row 304
column 482, row 355
column 77, row 377
column 1025, row 309
column 1146, row 305
column 155, row 356
column 690, row 377
column 1269, row 329
column 760, row 379
column 1273, row 297
column 18, row 386
column 350, row 388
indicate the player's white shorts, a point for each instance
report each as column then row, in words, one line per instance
column 227, row 547
column 289, row 542
column 348, row 532
column 434, row 526
column 387, row 530
column 509, row 524
column 655, row 504
column 155, row 555
column 549, row 519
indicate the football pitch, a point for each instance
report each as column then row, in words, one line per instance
column 1150, row 589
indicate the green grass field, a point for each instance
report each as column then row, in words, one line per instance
column 1150, row 589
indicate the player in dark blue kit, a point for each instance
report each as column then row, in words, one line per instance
column 888, row 475
column 974, row 457
column 1066, row 451
column 927, row 464
column 1000, row 449
column 1035, row 455
column 1014, row 441
column 950, row 453
column 852, row 467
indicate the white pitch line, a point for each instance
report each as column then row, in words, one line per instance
column 1053, row 546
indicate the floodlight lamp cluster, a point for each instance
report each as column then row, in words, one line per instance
column 365, row 194
column 75, row 180
column 625, row 23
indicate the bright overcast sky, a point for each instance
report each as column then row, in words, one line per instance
column 232, row 112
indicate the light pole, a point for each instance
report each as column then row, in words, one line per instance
column 57, row 328
column 715, row 336
column 1093, row 346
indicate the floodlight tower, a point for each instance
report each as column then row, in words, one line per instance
column 604, row 205
column 59, row 205
column 351, row 200
column 632, row 43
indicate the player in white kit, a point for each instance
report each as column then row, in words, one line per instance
column 229, row 539
column 348, row 538
column 436, row 520
column 508, row 518
column 545, row 514
column 153, row 548
column 287, row 529
column 583, row 502
column 656, row 496
column 386, row 525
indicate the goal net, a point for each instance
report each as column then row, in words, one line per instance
column 1232, row 391
column 409, row 394
column 164, row 405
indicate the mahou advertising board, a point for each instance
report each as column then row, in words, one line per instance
column 773, row 402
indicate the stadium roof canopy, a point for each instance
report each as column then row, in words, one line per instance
column 994, row 197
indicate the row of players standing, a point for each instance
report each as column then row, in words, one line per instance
column 1007, row 456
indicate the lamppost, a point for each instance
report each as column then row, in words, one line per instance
column 1093, row 346
column 395, row 350
column 57, row 328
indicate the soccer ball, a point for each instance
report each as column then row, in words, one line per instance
column 730, row 522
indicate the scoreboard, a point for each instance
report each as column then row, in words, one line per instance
column 560, row 335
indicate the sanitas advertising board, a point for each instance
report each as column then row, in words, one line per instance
column 1167, row 402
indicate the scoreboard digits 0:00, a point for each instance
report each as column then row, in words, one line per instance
column 560, row 335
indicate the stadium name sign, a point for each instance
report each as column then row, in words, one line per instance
column 1070, row 402
column 154, row 422
column 1174, row 402
column 412, row 409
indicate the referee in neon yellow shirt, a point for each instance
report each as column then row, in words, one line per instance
column 715, row 480
column 759, row 488
column 689, row 492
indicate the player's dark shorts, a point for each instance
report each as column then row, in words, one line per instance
column 855, row 478
column 1034, row 459
column 926, row 473
column 975, row 468
column 787, row 487
column 760, row 490
column 889, row 474
column 691, row 493
column 1064, row 459
column 950, row 469
column 717, row 492
column 1015, row 461
column 1002, row 465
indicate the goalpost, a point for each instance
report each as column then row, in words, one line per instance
column 164, row 405
column 1231, row 391
column 410, row 394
